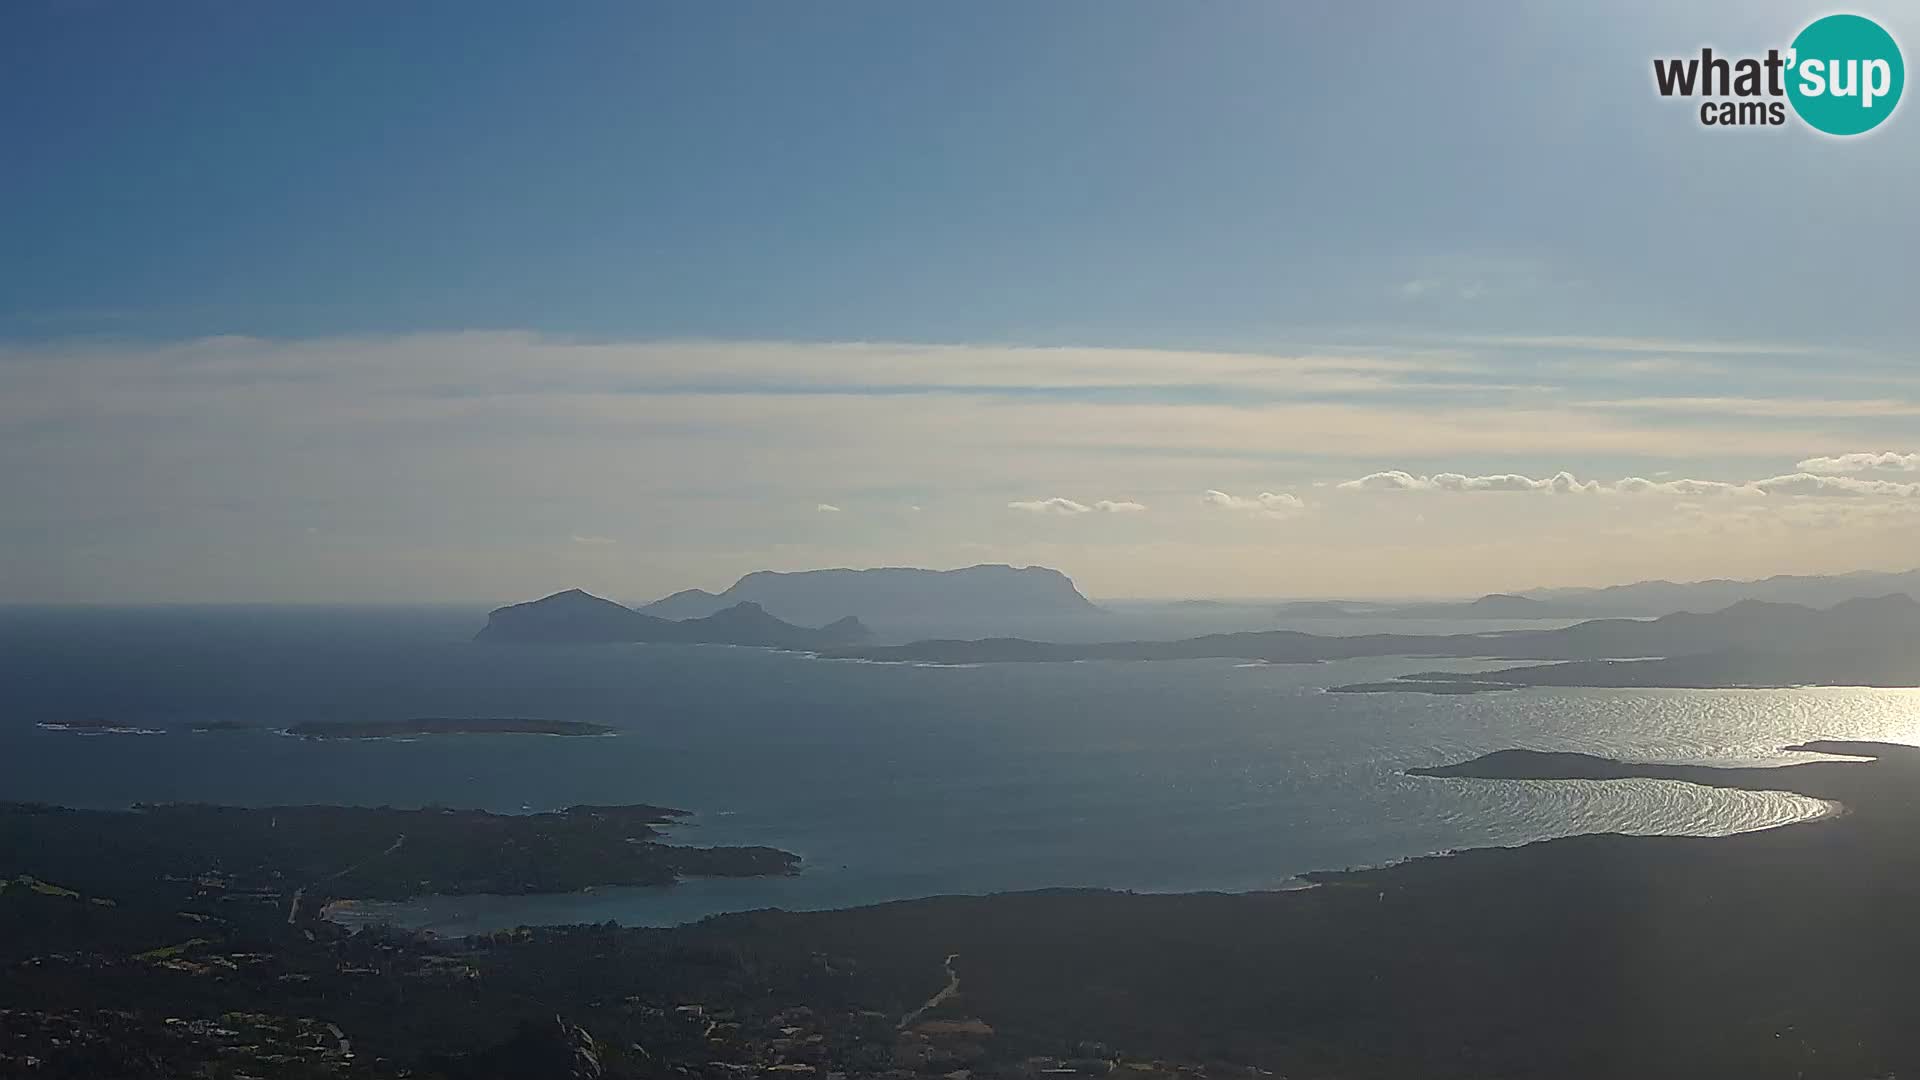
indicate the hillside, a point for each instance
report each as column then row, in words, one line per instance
column 1654, row 597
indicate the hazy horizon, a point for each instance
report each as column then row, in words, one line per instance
column 494, row 306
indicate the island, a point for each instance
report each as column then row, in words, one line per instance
column 1868, row 641
column 97, row 725
column 811, row 596
column 575, row 617
column 1888, row 663
column 442, row 725
column 1326, row 609
column 1423, row 684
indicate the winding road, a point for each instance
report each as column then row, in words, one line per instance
column 934, row 1002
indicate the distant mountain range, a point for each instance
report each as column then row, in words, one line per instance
column 1655, row 597
column 575, row 617
column 813, row 596
column 1857, row 637
column 1492, row 606
column 1640, row 598
column 1870, row 641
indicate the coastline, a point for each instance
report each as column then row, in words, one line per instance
column 1593, row 955
column 652, row 907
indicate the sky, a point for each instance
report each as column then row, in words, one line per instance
column 370, row 303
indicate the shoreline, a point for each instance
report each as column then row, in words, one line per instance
column 1827, row 809
column 1594, row 955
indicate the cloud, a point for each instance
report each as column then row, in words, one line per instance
column 1266, row 504
column 593, row 540
column 1844, row 464
column 1800, row 483
column 123, row 478
column 826, row 508
column 1848, row 486
column 1682, row 487
column 922, row 403
column 1764, row 407
column 1565, row 483
column 1058, row 505
column 1397, row 480
column 1593, row 343
column 1054, row 505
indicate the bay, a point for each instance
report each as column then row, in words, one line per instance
column 891, row 781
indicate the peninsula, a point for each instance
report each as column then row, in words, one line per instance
column 372, row 853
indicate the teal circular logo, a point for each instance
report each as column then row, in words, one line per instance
column 1845, row 74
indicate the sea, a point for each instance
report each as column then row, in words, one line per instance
column 891, row 781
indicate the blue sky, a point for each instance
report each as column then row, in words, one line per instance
column 494, row 255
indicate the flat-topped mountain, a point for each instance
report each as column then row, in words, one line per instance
column 576, row 617
column 815, row 596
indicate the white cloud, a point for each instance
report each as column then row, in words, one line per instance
column 593, row 540
column 123, row 479
column 1058, row 505
column 1810, row 484
column 1054, row 505
column 1266, row 504
column 1565, row 483
column 1591, row 343
column 1800, row 483
column 1845, row 464
column 827, row 508
column 1397, row 480
column 1765, row 407
column 1684, row 488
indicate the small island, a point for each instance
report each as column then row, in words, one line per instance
column 443, row 725
column 1418, row 684
column 97, row 725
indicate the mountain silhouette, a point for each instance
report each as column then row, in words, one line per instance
column 577, row 617
column 815, row 596
column 1873, row 637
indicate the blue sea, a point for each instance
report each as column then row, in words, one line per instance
column 891, row 781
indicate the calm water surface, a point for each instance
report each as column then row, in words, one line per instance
column 891, row 781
